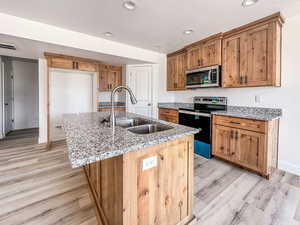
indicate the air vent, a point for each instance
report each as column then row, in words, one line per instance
column 7, row 46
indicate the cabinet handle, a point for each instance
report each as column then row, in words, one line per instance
column 234, row 122
column 236, row 135
column 77, row 65
column 241, row 79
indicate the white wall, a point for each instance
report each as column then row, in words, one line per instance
column 26, row 107
column 43, row 89
column 285, row 97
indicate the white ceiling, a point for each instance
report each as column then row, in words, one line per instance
column 30, row 49
column 154, row 23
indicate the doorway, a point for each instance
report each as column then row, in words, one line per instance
column 140, row 79
column 19, row 102
column 70, row 92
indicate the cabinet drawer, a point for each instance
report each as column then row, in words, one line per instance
column 246, row 124
column 168, row 112
column 168, row 118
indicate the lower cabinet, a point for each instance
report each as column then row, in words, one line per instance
column 169, row 115
column 243, row 145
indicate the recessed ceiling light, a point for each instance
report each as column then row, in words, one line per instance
column 188, row 32
column 130, row 5
column 247, row 3
column 108, row 34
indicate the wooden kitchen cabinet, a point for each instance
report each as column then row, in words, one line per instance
column 248, row 143
column 176, row 67
column 169, row 115
column 252, row 54
column 109, row 77
column 70, row 62
column 205, row 52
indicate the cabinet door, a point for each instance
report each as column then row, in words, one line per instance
column 231, row 61
column 86, row 66
column 180, row 73
column 211, row 53
column 224, row 142
column 257, row 58
column 62, row 63
column 251, row 149
column 115, row 78
column 171, row 72
column 103, row 80
column 194, row 57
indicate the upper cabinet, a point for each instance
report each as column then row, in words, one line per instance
column 109, row 77
column 71, row 63
column 205, row 53
column 176, row 66
column 252, row 54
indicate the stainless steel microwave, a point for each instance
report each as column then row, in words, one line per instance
column 203, row 77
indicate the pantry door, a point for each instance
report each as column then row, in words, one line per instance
column 140, row 79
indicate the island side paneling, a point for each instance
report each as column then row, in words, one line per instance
column 126, row 194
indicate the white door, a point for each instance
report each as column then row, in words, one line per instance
column 71, row 92
column 139, row 79
column 8, row 100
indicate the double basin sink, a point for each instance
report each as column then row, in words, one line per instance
column 141, row 126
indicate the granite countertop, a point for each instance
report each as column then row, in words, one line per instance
column 255, row 113
column 89, row 140
column 104, row 105
column 175, row 105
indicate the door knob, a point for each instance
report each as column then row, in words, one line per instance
column 149, row 104
column 6, row 104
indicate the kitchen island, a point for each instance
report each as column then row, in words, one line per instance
column 137, row 176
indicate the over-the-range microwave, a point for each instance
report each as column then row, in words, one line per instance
column 203, row 77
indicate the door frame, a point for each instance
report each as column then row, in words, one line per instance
column 49, row 92
column 2, row 131
column 154, row 86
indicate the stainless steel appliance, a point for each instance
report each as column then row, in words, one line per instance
column 203, row 78
column 199, row 116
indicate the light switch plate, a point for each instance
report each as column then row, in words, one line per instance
column 149, row 163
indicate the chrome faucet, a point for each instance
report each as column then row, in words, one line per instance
column 112, row 99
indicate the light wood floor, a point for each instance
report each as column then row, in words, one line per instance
column 20, row 138
column 39, row 187
column 227, row 195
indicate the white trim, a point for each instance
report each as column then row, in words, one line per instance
column 2, row 133
column 289, row 167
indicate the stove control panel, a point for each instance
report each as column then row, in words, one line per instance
column 210, row 100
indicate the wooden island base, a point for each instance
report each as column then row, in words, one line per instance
column 127, row 193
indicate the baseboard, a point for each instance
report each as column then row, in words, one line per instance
column 289, row 167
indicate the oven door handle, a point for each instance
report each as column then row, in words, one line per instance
column 195, row 113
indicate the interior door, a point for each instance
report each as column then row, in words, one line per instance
column 8, row 99
column 140, row 81
column 71, row 92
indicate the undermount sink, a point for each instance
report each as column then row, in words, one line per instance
column 132, row 122
column 149, row 128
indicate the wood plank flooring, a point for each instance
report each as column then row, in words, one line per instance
column 227, row 195
column 39, row 187
column 20, row 138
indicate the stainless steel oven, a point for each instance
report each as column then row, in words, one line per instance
column 203, row 78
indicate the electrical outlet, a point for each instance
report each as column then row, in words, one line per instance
column 149, row 163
